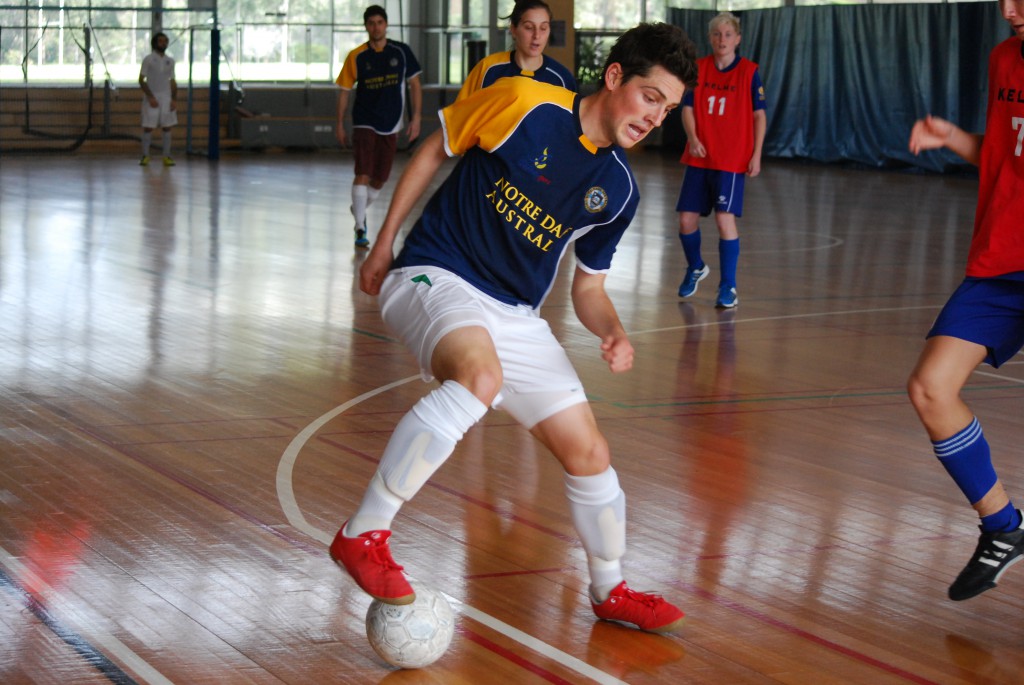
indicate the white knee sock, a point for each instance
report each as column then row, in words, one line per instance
column 147, row 139
column 421, row 442
column 167, row 143
column 598, row 508
column 371, row 194
column 359, row 203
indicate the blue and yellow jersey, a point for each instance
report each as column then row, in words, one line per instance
column 528, row 185
column 379, row 78
column 501, row 64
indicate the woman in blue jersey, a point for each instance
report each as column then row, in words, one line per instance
column 530, row 27
column 542, row 170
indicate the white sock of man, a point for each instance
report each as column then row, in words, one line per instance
column 422, row 441
column 598, row 508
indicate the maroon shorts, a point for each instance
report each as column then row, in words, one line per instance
column 374, row 154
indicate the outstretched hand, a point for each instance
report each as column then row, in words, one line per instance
column 930, row 133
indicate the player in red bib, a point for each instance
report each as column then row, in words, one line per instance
column 725, row 121
column 983, row 321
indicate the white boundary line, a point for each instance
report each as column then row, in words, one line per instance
column 286, row 494
column 286, row 497
column 68, row 613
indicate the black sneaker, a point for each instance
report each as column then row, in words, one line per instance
column 995, row 553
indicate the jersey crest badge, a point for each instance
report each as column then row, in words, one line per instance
column 595, row 200
column 542, row 161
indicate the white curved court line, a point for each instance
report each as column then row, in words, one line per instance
column 286, row 494
column 286, row 498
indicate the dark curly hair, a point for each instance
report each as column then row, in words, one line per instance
column 156, row 37
column 375, row 11
column 648, row 45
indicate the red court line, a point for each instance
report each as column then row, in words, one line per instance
column 806, row 635
column 512, row 656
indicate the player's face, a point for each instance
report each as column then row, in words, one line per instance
column 161, row 44
column 1013, row 13
column 639, row 105
column 532, row 33
column 724, row 40
column 376, row 28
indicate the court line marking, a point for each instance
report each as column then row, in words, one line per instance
column 295, row 517
column 289, row 505
column 109, row 643
column 782, row 317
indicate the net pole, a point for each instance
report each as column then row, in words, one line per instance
column 213, row 132
column 188, row 107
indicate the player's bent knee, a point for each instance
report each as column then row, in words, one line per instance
column 483, row 381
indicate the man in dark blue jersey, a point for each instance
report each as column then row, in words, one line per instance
column 379, row 69
column 541, row 169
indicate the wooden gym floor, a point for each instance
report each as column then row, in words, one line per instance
column 194, row 393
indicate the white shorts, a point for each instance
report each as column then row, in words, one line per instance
column 158, row 117
column 423, row 304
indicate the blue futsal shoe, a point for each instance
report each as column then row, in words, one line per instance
column 727, row 298
column 361, row 239
column 693, row 277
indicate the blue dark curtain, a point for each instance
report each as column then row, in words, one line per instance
column 846, row 83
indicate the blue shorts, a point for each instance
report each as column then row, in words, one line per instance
column 707, row 189
column 988, row 312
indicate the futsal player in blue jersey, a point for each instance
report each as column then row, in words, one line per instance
column 542, row 173
column 379, row 69
column 530, row 28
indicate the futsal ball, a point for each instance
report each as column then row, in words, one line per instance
column 411, row 635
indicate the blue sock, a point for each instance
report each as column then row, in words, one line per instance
column 967, row 458
column 1004, row 520
column 729, row 256
column 691, row 249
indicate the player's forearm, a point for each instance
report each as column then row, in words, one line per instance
column 593, row 307
column 760, row 127
column 967, row 145
column 342, row 105
column 416, row 96
column 689, row 122
column 412, row 184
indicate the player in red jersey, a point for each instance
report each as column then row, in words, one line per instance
column 725, row 122
column 983, row 321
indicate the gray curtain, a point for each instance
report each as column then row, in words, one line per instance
column 846, row 83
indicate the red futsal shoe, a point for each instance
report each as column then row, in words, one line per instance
column 367, row 558
column 645, row 610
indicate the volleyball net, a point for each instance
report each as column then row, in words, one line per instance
column 58, row 93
